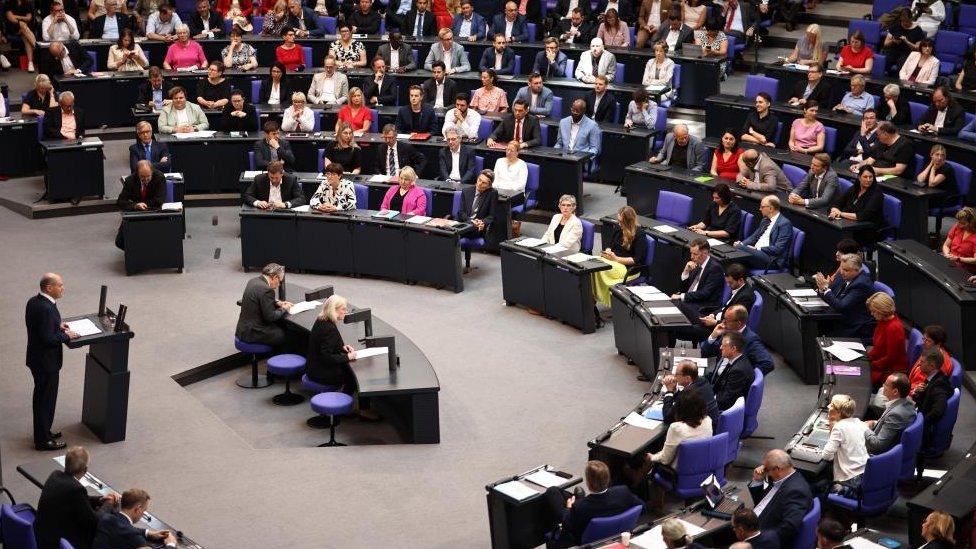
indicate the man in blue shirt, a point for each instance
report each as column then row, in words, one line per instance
column 857, row 100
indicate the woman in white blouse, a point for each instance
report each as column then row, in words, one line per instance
column 511, row 173
column 921, row 67
column 845, row 446
column 298, row 117
column 126, row 55
column 691, row 421
column 660, row 68
column 565, row 228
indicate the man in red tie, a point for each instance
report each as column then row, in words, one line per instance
column 517, row 126
column 142, row 191
column 739, row 20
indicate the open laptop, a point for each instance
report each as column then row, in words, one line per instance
column 719, row 505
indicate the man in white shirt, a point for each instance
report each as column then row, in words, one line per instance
column 329, row 87
column 59, row 26
column 461, row 119
column 782, row 496
column 162, row 24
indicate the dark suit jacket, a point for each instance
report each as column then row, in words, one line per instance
column 157, row 151
column 259, row 311
column 754, row 350
column 587, row 30
column 65, row 511
column 710, row 287
column 767, row 539
column 260, row 189
column 145, row 92
column 734, row 382
column 780, row 240
column 625, row 11
column 311, row 23
column 284, row 91
column 365, row 23
column 605, row 110
column 44, row 335
column 230, row 123
column 505, row 131
column 821, row 92
column 955, row 119
column 850, row 303
column 746, row 296
column 562, row 8
column 328, row 363
column 784, row 513
column 262, row 154
column 931, row 401
column 121, row 19
column 486, row 206
column 615, row 500
column 196, row 23
column 410, row 19
column 52, row 123
column 385, row 92
column 132, row 192
column 78, row 57
column 466, row 161
column 508, row 61
column 404, row 121
column 685, row 34
column 520, row 32
column 704, row 389
column 116, row 532
column 904, row 115
column 406, row 154
column 430, row 91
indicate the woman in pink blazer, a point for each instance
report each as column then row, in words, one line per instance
column 406, row 197
column 921, row 67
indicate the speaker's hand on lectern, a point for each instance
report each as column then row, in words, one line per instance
column 72, row 334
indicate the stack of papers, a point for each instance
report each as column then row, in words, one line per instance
column 554, row 249
column 666, row 229
column 386, row 214
column 715, row 242
column 578, row 258
column 813, row 303
column 652, row 538
column 84, row 327
column 655, row 411
column 640, row 421
column 251, row 174
column 655, row 87
column 304, row 208
column 418, row 219
column 303, row 306
column 802, row 292
column 195, row 135
column 545, row 479
column 372, row 351
column 649, row 293
column 531, row 242
column 172, row 206
column 663, row 311
column 516, row 490
column 378, row 178
column 843, row 353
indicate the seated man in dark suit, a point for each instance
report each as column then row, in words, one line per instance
column 740, row 293
column 499, row 57
column 415, row 116
column 819, row 187
column 65, row 122
column 456, row 160
column 419, row 21
column 67, row 58
column 65, row 510
column 865, row 138
column 365, row 20
column 147, row 148
column 517, row 126
column 572, row 515
column 261, row 311
column 600, row 103
column 701, row 279
column 814, row 89
column 848, row 296
column 118, row 531
column 686, row 376
column 745, row 526
column 510, row 24
column 932, row 397
column 143, row 190
column 110, row 24
column 944, row 117
column 576, row 28
column 882, row 434
column 206, row 22
column 155, row 91
column 478, row 208
column 734, row 373
column 782, row 496
column 439, row 90
column 274, row 190
column 675, row 33
column 770, row 245
column 273, row 148
column 735, row 319
column 392, row 155
column 381, row 88
column 238, row 115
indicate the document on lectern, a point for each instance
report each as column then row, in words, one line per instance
column 302, row 306
column 372, row 351
column 84, row 327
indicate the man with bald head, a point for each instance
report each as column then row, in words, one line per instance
column 769, row 246
column 45, row 334
column 510, row 24
column 681, row 150
column 782, row 496
column 67, row 58
column 758, row 172
column 142, row 191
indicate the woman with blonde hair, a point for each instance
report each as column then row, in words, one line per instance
column 626, row 248
column 809, row 49
column 406, row 197
column 275, row 19
column 938, row 530
column 887, row 355
column 845, row 446
column 565, row 228
column 345, row 151
column 41, row 98
column 674, row 534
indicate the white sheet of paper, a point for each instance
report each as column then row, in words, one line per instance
column 418, row 219
column 371, row 351
column 303, row 306
column 378, row 178
column 545, row 479
column 853, row 345
column 934, row 473
column 665, row 310
column 304, row 208
column 579, row 258
column 403, row 136
column 861, row 543
column 84, row 327
column 516, row 490
column 194, row 135
column 812, row 303
column 649, row 293
column 555, row 248
column 640, row 421
column 802, row 292
column 655, row 297
column 172, row 206
column 531, row 242
column 249, row 174
column 843, row 353
column 715, row 242
column 665, row 229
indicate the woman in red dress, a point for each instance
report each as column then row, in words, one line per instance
column 887, row 354
column 725, row 161
column 289, row 53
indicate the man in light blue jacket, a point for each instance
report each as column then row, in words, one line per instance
column 450, row 52
column 578, row 132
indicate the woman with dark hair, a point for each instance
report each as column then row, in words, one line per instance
column 489, row 98
column 614, row 32
column 862, row 202
column 641, row 111
column 725, row 161
column 723, row 219
column 349, row 53
column 691, row 422
column 239, row 54
column 125, row 54
column 289, row 53
column 275, row 90
column 966, row 81
column 213, row 92
column 713, row 42
column 844, row 247
column 20, row 21
column 922, row 66
column 626, row 247
column 807, row 134
column 856, row 56
column 335, row 194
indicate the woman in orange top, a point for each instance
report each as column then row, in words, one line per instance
column 960, row 244
column 887, row 354
column 933, row 337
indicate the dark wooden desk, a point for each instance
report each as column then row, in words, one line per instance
column 18, row 141
column 153, row 240
column 198, row 157
column 75, row 168
column 521, row 524
column 954, row 493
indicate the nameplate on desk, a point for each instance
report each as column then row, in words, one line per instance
column 195, row 135
column 649, row 293
column 802, row 292
column 249, row 174
column 842, row 370
column 172, row 207
column 531, row 242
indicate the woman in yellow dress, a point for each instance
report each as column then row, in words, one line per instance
column 626, row 247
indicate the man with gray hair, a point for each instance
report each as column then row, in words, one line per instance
column 65, row 122
column 456, row 159
column 261, row 311
column 782, row 496
column 770, row 245
column 848, row 296
column 681, row 150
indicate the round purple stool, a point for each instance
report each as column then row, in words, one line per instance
column 287, row 366
column 252, row 380
column 332, row 405
column 317, row 422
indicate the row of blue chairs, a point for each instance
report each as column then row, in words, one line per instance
column 17, row 527
column 950, row 46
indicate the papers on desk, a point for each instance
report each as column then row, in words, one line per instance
column 649, row 293
column 842, row 353
column 802, row 292
column 704, row 178
column 302, row 306
column 84, row 327
column 934, row 473
column 403, row 136
column 545, row 479
column 715, row 242
column 640, row 421
column 812, row 303
column 663, row 311
column 379, row 178
column 195, row 135
column 554, row 249
column 441, row 222
column 884, row 177
column 579, row 258
column 834, row 71
column 531, row 242
column 371, row 351
column 853, row 345
column 172, row 207
column 251, row 174
column 386, row 214
column 516, row 490
column 655, row 87
column 862, row 543
column 419, row 219
column 666, row 229
column 655, row 411
column 797, row 66
column 304, row 208
column 652, row 538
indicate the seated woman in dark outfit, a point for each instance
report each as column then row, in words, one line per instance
column 862, row 202
column 723, row 219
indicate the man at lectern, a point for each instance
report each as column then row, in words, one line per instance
column 45, row 334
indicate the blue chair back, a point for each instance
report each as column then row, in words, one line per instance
column 605, row 527
column 456, row 204
column 531, row 187
column 257, row 119
column 747, row 220
column 17, row 525
column 40, row 128
column 879, row 486
column 415, row 55
column 618, row 75
column 882, row 287
column 586, row 242
column 698, row 458
column 872, row 33
column 756, row 83
column 570, row 67
column 94, row 59
column 307, row 57
column 755, row 313
column 916, row 110
column 892, row 217
column 374, row 126
column 317, row 121
column 951, row 47
column 251, row 163
column 964, row 179
column 753, row 403
column 530, row 27
column 383, row 26
column 479, row 164
column 518, row 65
column 794, row 173
column 557, row 107
column 257, row 23
column 616, row 113
column 320, row 160
column 228, row 25
column 941, row 437
column 484, row 128
column 362, row 196
column 919, row 163
column 798, row 238
column 327, row 23
column 830, row 140
column 544, row 134
column 955, row 378
column 878, row 68
column 255, row 91
column 966, row 19
column 648, row 260
column 913, row 346
column 430, row 200
column 676, row 77
column 660, row 127
column 170, row 190
column 843, row 185
column 779, row 132
column 730, row 65
column 673, row 207
column 731, row 422
column 911, row 443
column 807, row 536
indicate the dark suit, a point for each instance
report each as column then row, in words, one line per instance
column 410, row 21
column 404, row 120
column 931, row 401
column 116, row 532
column 708, row 294
column 754, row 350
column 430, row 91
column 260, row 189
column 230, row 123
column 44, row 356
column 783, row 514
column 310, row 19
column 777, row 254
column 78, row 57
column 260, row 314
column 746, row 296
column 385, row 92
column 531, row 133
column 849, row 300
column 121, row 19
column 196, row 23
column 52, row 123
column 562, row 9
column 587, row 30
column 520, row 32
column 703, row 388
column 157, row 151
column 146, row 95
column 613, row 501
column 955, row 119
column 365, row 23
column 262, row 154
column 485, row 210
column 508, row 61
column 766, row 539
column 624, row 9
column 328, row 363
column 65, row 511
column 465, row 164
column 406, row 156
column 132, row 194
column 605, row 110
column 733, row 382
column 284, row 92
column 685, row 35
column 820, row 93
